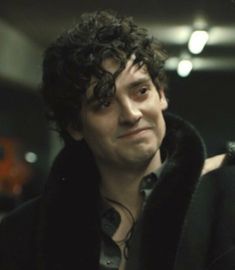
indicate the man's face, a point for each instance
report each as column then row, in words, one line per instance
column 129, row 128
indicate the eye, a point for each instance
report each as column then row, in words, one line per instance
column 143, row 90
column 103, row 104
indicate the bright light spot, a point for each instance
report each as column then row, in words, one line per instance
column 198, row 41
column 184, row 68
column 31, row 157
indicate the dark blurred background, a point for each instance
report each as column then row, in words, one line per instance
column 205, row 96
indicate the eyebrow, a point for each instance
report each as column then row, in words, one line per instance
column 92, row 99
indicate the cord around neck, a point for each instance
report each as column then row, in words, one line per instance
column 128, row 237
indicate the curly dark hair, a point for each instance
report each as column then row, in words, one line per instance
column 77, row 55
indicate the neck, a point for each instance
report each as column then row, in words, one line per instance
column 123, row 184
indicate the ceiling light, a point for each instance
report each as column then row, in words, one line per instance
column 184, row 68
column 198, row 41
column 31, row 157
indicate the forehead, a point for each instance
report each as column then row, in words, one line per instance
column 112, row 65
column 129, row 74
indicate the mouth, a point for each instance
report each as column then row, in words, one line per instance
column 133, row 133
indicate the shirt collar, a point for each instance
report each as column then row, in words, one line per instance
column 149, row 181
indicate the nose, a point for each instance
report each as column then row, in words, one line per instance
column 129, row 113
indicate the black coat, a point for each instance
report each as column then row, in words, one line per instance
column 189, row 220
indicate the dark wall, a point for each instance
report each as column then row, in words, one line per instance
column 22, row 120
column 208, row 101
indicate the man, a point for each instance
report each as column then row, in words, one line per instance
column 127, row 190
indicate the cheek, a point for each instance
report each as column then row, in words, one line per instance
column 153, row 108
column 155, row 116
column 98, row 127
column 161, row 126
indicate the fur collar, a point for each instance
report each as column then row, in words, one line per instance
column 165, row 212
column 70, row 231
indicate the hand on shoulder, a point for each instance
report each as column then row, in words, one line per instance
column 218, row 161
column 213, row 163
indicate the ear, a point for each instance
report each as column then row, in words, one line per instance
column 74, row 133
column 163, row 100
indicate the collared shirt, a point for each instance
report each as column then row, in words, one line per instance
column 110, row 257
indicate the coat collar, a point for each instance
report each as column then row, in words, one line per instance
column 167, row 206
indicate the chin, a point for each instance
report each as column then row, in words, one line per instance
column 142, row 155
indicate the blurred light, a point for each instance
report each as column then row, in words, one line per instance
column 184, row 68
column 31, row 157
column 200, row 22
column 198, row 41
column 171, row 63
